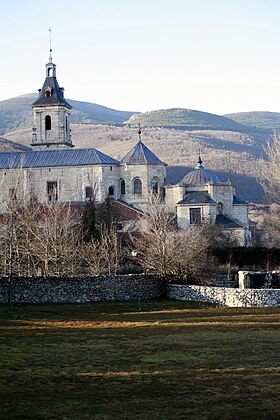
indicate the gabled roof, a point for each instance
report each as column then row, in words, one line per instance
column 197, row 197
column 140, row 154
column 226, row 222
column 50, row 158
column 56, row 97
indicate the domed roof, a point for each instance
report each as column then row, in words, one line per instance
column 200, row 176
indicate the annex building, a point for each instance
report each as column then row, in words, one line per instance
column 54, row 171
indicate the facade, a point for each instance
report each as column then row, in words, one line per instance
column 202, row 196
column 54, row 171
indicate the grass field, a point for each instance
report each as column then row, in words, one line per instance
column 153, row 360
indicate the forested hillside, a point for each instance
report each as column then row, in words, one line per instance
column 187, row 119
column 16, row 113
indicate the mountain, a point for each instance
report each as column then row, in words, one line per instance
column 11, row 146
column 187, row 119
column 16, row 113
column 259, row 119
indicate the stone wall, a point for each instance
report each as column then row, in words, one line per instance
column 79, row 290
column 225, row 296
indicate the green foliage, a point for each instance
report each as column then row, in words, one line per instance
column 260, row 119
column 187, row 119
column 16, row 113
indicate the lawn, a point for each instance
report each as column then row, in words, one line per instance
column 147, row 360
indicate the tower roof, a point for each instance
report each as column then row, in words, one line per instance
column 51, row 94
column 140, row 154
column 200, row 176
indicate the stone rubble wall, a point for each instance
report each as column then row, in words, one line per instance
column 225, row 296
column 80, row 290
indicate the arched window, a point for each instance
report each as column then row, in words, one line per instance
column 122, row 187
column 48, row 122
column 155, row 185
column 111, row 191
column 137, row 186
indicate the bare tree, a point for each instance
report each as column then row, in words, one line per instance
column 270, row 170
column 154, row 246
column 269, row 179
column 192, row 260
column 101, row 255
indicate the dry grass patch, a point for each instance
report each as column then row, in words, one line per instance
column 167, row 360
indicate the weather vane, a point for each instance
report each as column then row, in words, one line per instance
column 50, row 41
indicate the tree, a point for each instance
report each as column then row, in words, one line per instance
column 270, row 170
column 169, row 251
column 154, row 246
column 102, row 255
column 269, row 179
column 192, row 259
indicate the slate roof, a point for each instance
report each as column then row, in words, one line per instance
column 140, row 154
column 200, row 176
column 51, row 158
column 226, row 222
column 56, row 98
column 237, row 200
column 197, row 197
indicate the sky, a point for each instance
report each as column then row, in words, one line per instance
column 217, row 56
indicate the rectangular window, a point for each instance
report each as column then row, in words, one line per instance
column 195, row 215
column 88, row 193
column 12, row 194
column 52, row 190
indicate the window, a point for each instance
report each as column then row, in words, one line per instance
column 155, row 185
column 195, row 215
column 48, row 92
column 48, row 122
column 12, row 194
column 122, row 187
column 220, row 207
column 52, row 190
column 137, row 186
column 88, row 193
column 111, row 191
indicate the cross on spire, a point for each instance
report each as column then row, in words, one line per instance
column 50, row 42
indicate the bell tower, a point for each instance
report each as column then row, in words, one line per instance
column 51, row 112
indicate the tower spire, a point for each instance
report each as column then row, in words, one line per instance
column 139, row 132
column 199, row 162
column 50, row 43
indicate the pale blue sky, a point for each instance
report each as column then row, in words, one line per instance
column 217, row 56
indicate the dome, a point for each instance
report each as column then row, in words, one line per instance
column 200, row 176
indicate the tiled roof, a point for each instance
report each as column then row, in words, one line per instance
column 56, row 94
column 140, row 154
column 50, row 158
column 226, row 222
column 197, row 197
